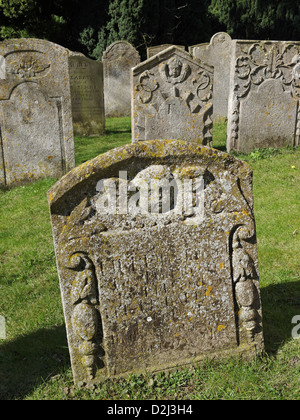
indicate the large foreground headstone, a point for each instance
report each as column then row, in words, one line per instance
column 156, row 253
column 265, row 93
column 35, row 112
column 217, row 54
column 86, row 81
column 172, row 98
column 118, row 59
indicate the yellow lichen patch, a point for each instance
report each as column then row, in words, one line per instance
column 221, row 327
column 208, row 291
column 222, row 266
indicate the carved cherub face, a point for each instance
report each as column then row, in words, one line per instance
column 174, row 66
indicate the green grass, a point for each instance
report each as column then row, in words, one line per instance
column 34, row 359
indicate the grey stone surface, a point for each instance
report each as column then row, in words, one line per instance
column 217, row 54
column 151, row 51
column 147, row 287
column 172, row 98
column 35, row 112
column 87, row 94
column 118, row 59
column 265, row 91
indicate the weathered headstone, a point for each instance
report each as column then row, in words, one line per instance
column 118, row 59
column 35, row 112
column 265, row 92
column 86, row 81
column 172, row 98
column 151, row 51
column 217, row 54
column 156, row 254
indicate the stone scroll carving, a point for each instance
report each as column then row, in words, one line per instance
column 172, row 98
column 156, row 254
column 264, row 104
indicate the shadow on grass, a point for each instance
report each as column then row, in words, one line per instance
column 28, row 361
column 109, row 131
column 280, row 303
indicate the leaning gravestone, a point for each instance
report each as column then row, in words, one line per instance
column 265, row 92
column 118, row 59
column 172, row 98
column 35, row 112
column 156, row 254
column 217, row 54
column 158, row 48
column 86, row 81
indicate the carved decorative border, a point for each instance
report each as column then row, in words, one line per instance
column 264, row 61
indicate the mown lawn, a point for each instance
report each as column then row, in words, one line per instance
column 34, row 359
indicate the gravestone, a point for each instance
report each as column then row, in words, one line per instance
column 217, row 54
column 151, row 51
column 35, row 112
column 118, row 59
column 156, row 254
column 172, row 98
column 265, row 92
column 86, row 81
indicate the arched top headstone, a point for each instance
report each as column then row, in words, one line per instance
column 156, row 254
column 118, row 59
column 36, row 125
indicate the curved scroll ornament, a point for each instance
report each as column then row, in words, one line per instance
column 244, row 276
column 147, row 85
column 27, row 65
column 85, row 318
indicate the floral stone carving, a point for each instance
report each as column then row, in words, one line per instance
column 264, row 101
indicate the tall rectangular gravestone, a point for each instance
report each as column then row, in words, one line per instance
column 87, row 93
column 118, row 59
column 35, row 112
column 265, row 92
column 156, row 254
column 172, row 98
column 217, row 54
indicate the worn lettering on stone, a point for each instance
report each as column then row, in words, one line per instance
column 151, row 287
column 87, row 93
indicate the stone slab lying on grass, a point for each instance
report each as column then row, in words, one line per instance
column 156, row 254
